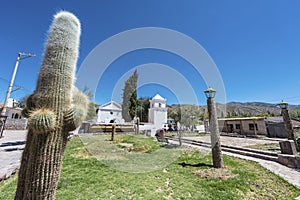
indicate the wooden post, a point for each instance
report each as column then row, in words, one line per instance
column 226, row 126
column 254, row 123
column 241, row 127
column 214, row 134
column 137, row 125
column 113, row 131
column 179, row 133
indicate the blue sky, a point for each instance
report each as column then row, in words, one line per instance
column 254, row 44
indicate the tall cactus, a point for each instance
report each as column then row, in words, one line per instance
column 54, row 109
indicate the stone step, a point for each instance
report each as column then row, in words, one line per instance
column 266, row 155
column 269, row 153
column 252, row 154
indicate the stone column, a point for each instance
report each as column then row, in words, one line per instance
column 214, row 134
column 289, row 126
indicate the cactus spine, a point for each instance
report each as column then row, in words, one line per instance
column 51, row 111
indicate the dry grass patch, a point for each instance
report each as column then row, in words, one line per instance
column 266, row 147
column 81, row 152
column 128, row 145
column 216, row 173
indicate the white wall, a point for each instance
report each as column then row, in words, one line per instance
column 106, row 116
column 160, row 118
column 158, row 112
column 13, row 113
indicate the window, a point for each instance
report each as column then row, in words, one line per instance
column 229, row 128
column 238, row 126
column 111, row 112
column 159, row 105
column 251, row 127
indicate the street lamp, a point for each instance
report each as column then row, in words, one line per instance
column 288, row 123
column 21, row 56
column 283, row 105
column 210, row 92
column 214, row 129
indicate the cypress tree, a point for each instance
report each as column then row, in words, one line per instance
column 129, row 105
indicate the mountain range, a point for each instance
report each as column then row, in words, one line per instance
column 234, row 109
column 256, row 108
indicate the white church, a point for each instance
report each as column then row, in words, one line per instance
column 112, row 113
column 158, row 111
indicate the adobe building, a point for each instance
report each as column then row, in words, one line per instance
column 276, row 127
column 244, row 126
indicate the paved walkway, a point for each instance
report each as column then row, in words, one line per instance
column 11, row 147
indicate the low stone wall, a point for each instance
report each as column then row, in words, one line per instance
column 16, row 124
column 292, row 161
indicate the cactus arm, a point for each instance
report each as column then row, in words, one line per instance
column 42, row 121
column 78, row 111
column 29, row 107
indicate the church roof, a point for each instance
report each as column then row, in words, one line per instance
column 111, row 106
column 158, row 97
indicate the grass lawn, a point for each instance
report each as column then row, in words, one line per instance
column 185, row 134
column 96, row 168
column 297, row 135
column 267, row 147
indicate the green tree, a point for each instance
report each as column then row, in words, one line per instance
column 143, row 105
column 129, row 105
column 92, row 107
column 175, row 113
column 91, row 113
column 22, row 101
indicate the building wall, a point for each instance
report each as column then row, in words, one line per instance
column 160, row 118
column 276, row 130
column 151, row 116
column 107, row 115
column 244, row 127
column 109, row 112
column 12, row 113
column 16, row 124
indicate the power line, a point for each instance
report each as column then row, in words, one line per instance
column 16, row 86
column 21, row 56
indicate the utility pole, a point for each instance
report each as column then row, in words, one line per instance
column 21, row 56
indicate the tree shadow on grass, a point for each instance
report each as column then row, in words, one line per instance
column 171, row 146
column 184, row 164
